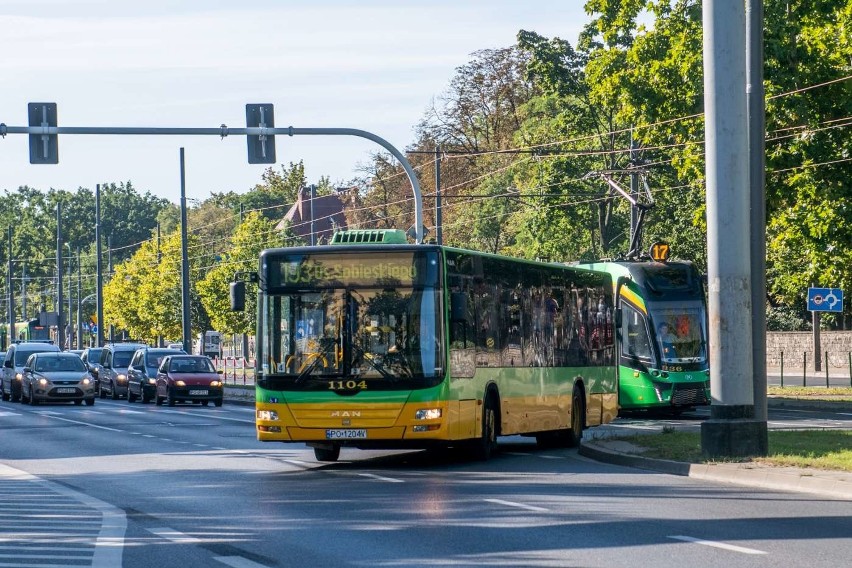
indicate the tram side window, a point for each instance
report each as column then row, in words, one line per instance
column 634, row 333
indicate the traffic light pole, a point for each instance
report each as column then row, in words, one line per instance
column 47, row 133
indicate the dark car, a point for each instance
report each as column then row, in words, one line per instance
column 112, row 376
column 188, row 378
column 13, row 366
column 56, row 377
column 92, row 359
column 142, row 372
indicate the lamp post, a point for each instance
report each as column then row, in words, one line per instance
column 69, row 326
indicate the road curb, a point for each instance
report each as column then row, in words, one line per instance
column 829, row 483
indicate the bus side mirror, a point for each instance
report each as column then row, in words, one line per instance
column 238, row 296
column 458, row 307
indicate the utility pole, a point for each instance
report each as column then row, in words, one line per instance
column 99, row 269
column 109, row 273
column 11, row 292
column 24, row 291
column 312, row 192
column 439, row 230
column 79, row 303
column 60, row 325
column 732, row 430
column 184, row 259
column 634, row 188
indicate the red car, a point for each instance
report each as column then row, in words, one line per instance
column 188, row 378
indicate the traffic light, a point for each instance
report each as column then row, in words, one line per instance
column 261, row 149
column 44, row 148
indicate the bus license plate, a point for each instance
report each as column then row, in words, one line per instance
column 345, row 434
column 198, row 392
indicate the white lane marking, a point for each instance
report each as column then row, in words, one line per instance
column 238, row 562
column 518, row 505
column 715, row 544
column 214, row 416
column 381, row 478
column 81, row 423
column 7, row 413
column 546, row 457
column 174, row 536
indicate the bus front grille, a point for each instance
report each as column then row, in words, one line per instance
column 689, row 395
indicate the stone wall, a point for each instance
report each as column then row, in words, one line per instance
column 794, row 345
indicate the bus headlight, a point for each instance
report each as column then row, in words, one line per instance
column 267, row 415
column 427, row 414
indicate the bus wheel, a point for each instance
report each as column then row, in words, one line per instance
column 486, row 445
column 571, row 437
column 327, row 454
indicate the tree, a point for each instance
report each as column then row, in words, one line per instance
column 253, row 235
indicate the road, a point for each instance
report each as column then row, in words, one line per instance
column 145, row 486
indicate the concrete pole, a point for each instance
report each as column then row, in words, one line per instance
column 732, row 429
column 11, row 289
column 439, row 222
column 757, row 162
column 60, row 316
column 99, row 268
column 184, row 259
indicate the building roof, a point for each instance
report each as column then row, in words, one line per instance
column 326, row 211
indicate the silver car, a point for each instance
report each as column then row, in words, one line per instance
column 57, row 377
column 13, row 366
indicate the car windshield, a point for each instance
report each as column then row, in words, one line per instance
column 121, row 359
column 58, row 364
column 194, row 365
column 94, row 355
column 22, row 356
column 153, row 359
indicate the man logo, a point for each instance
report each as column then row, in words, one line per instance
column 345, row 413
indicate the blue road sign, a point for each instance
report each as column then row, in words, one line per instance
column 825, row 300
column 94, row 329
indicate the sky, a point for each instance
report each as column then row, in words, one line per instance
column 373, row 65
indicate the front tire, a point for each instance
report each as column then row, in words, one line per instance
column 486, row 445
column 130, row 396
column 327, row 454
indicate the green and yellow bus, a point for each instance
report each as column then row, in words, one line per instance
column 662, row 355
column 372, row 342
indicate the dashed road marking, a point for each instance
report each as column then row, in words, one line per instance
column 518, row 505
column 716, row 544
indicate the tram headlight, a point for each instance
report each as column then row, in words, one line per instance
column 267, row 415
column 427, row 414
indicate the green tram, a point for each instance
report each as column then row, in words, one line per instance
column 30, row 330
column 663, row 355
column 372, row 342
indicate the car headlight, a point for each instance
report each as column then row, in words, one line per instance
column 152, row 381
column 42, row 382
column 19, row 377
column 215, row 384
column 121, row 377
column 86, row 380
column 180, row 384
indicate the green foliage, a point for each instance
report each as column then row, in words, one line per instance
column 250, row 238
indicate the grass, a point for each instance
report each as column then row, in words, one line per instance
column 812, row 393
column 819, row 449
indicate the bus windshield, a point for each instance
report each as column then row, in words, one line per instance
column 369, row 319
column 680, row 332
